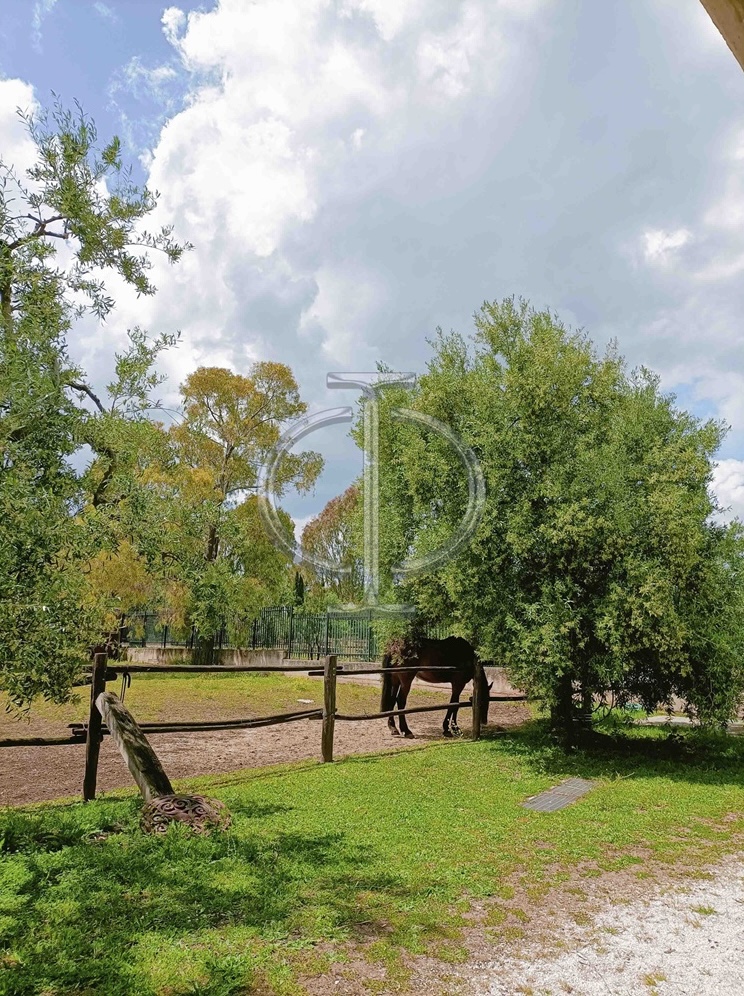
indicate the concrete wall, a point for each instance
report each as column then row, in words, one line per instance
column 501, row 684
column 182, row 655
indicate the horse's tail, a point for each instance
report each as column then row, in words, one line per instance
column 387, row 699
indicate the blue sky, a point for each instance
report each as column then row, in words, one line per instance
column 355, row 173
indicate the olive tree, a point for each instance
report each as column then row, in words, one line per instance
column 596, row 567
column 74, row 216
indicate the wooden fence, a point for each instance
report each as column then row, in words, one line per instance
column 105, row 670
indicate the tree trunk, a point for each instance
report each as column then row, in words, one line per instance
column 562, row 712
column 213, row 545
column 6, row 290
column 587, row 705
column 203, row 652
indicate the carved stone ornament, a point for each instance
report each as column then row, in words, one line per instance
column 196, row 811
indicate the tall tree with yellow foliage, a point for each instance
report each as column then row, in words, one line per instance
column 231, row 424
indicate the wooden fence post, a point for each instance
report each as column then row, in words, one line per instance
column 134, row 747
column 93, row 740
column 329, row 705
column 477, row 672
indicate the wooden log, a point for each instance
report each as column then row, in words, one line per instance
column 350, row 672
column 40, row 742
column 406, row 712
column 177, row 726
column 134, row 747
column 477, row 672
column 93, row 739
column 231, row 724
column 329, row 706
column 245, row 724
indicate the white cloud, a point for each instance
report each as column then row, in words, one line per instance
column 658, row 245
column 107, row 13
column 728, row 211
column 447, row 60
column 346, row 296
column 15, row 143
column 299, row 526
column 728, row 486
column 41, row 9
column 690, row 32
column 295, row 109
column 721, row 268
column 390, row 17
column 173, row 21
column 696, row 340
column 355, row 172
column 138, row 77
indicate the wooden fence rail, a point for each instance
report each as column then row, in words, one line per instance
column 407, row 712
column 120, row 667
column 81, row 729
column 104, row 670
column 341, row 670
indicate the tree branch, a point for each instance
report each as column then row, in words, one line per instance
column 84, row 389
column 39, row 232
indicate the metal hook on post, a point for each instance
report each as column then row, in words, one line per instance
column 126, row 681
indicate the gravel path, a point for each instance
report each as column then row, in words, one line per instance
column 678, row 942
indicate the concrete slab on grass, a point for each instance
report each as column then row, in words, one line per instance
column 560, row 796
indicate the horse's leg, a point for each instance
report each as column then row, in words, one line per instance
column 457, row 686
column 450, row 715
column 403, row 690
column 391, row 719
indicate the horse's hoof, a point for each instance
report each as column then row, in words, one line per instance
column 456, row 731
column 409, row 735
column 394, row 733
column 447, row 733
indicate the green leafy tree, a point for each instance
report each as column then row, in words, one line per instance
column 334, row 536
column 231, row 423
column 74, row 215
column 595, row 568
column 299, row 589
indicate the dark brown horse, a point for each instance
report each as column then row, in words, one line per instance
column 453, row 653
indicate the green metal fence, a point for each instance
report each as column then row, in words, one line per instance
column 308, row 635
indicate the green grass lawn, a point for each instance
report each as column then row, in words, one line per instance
column 380, row 853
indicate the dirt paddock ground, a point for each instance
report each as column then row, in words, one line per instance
column 35, row 774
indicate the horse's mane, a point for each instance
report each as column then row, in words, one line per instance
column 401, row 648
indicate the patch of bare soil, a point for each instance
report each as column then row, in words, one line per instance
column 537, row 941
column 512, row 944
column 36, row 774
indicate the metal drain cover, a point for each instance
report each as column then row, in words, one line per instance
column 560, row 796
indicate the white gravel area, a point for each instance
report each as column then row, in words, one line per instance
column 678, row 941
